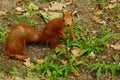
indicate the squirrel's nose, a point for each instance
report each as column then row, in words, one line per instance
column 68, row 25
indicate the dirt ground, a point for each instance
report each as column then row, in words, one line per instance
column 37, row 51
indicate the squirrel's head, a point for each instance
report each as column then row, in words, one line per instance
column 68, row 18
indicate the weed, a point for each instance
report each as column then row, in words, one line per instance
column 99, row 67
column 15, row 71
column 54, row 68
column 3, row 33
column 89, row 43
column 117, row 6
column 24, row 18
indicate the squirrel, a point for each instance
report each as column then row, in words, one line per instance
column 55, row 28
column 15, row 45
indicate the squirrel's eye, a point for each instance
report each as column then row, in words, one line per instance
column 72, row 19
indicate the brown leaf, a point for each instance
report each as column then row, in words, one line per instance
column 41, row 61
column 98, row 20
column 110, row 6
column 57, row 6
column 92, row 55
column 76, row 73
column 116, row 46
column 75, row 51
column 2, row 13
column 107, row 45
column 113, row 1
column 20, row 9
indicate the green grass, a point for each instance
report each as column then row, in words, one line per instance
column 54, row 68
column 107, row 68
column 3, row 33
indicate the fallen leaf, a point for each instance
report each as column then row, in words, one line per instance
column 17, row 12
column 99, row 12
column 2, row 13
column 98, row 20
column 41, row 61
column 33, row 6
column 16, row 78
column 102, row 22
column 57, row 6
column 20, row 9
column 110, row 6
column 94, row 32
column 28, row 63
column 75, row 51
column 107, row 45
column 91, row 55
column 113, row 1
column 116, row 46
column 76, row 73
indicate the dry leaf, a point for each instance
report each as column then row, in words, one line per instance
column 107, row 45
column 98, row 20
column 113, row 1
column 17, row 12
column 76, row 73
column 99, row 12
column 91, row 55
column 16, row 78
column 94, row 32
column 41, row 61
column 28, row 63
column 2, row 13
column 116, row 46
column 20, row 9
column 57, row 6
column 110, row 6
column 75, row 51
column 102, row 22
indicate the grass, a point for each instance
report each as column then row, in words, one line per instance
column 107, row 68
column 3, row 33
column 54, row 68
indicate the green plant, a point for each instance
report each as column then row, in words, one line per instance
column 3, row 33
column 99, row 67
column 117, row 6
column 15, row 71
column 89, row 43
column 54, row 68
column 24, row 18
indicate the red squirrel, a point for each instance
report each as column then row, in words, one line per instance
column 55, row 28
column 15, row 45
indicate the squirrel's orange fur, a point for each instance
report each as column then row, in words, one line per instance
column 55, row 28
column 15, row 45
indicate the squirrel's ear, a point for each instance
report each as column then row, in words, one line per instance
column 71, row 12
